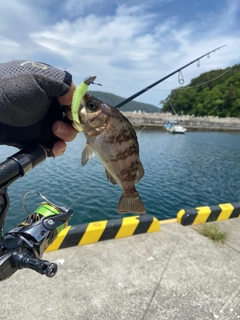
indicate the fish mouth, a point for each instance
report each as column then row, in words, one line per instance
column 77, row 126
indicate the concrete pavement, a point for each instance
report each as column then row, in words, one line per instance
column 175, row 273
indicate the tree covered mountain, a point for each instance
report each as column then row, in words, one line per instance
column 205, row 96
column 112, row 99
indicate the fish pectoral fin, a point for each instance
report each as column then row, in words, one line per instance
column 110, row 177
column 87, row 154
column 131, row 204
column 140, row 173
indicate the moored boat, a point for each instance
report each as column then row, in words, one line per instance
column 174, row 127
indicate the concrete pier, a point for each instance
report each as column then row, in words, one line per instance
column 175, row 273
column 192, row 123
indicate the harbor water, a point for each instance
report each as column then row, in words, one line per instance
column 181, row 171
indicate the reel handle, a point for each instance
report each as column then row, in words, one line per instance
column 22, row 260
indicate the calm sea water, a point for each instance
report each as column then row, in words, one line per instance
column 181, row 171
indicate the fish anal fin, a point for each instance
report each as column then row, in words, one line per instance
column 110, row 177
column 140, row 173
column 87, row 154
column 131, row 204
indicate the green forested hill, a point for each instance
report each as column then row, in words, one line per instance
column 112, row 99
column 220, row 97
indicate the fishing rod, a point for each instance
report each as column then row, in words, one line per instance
column 164, row 78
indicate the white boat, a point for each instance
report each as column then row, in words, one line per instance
column 173, row 127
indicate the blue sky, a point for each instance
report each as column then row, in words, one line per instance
column 126, row 43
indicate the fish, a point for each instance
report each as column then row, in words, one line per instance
column 112, row 138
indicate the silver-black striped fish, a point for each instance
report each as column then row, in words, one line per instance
column 112, row 138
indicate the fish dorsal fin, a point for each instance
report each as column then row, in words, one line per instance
column 87, row 154
column 110, row 177
column 140, row 173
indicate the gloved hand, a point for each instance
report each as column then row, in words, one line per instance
column 32, row 96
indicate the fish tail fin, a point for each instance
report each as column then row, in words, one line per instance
column 131, row 204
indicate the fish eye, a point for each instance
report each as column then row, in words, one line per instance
column 91, row 105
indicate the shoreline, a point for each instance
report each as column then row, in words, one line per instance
column 157, row 121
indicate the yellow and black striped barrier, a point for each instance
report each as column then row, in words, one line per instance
column 208, row 214
column 104, row 230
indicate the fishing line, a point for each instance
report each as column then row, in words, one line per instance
column 181, row 88
column 202, row 84
column 81, row 194
column 174, row 92
column 135, row 95
column 141, row 130
column 180, row 80
column 101, row 85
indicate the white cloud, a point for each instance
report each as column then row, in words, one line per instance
column 7, row 46
column 76, row 7
column 19, row 17
column 102, row 41
column 127, row 50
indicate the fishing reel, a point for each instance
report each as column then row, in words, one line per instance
column 23, row 246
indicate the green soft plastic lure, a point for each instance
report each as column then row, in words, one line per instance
column 76, row 101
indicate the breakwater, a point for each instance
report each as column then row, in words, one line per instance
column 192, row 123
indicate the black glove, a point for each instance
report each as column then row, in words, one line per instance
column 28, row 102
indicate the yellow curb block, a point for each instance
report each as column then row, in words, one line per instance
column 104, row 230
column 207, row 214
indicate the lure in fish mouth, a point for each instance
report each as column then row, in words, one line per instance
column 112, row 138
